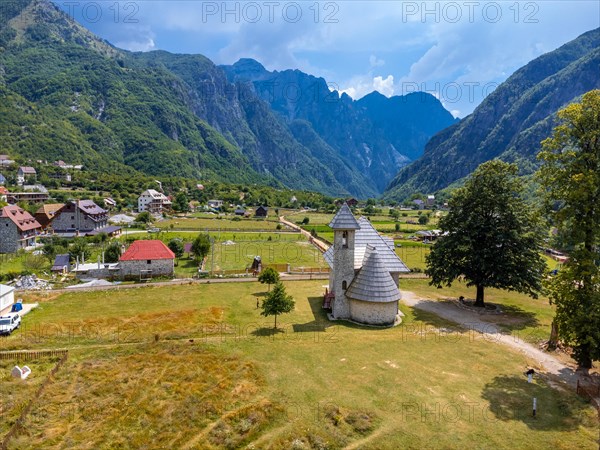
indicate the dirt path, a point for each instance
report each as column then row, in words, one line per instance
column 492, row 333
column 322, row 246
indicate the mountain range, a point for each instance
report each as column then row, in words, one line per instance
column 67, row 94
column 510, row 123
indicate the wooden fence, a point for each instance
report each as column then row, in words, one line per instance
column 30, row 355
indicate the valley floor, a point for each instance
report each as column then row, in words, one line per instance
column 196, row 366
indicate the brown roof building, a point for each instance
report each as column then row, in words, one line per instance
column 18, row 229
column 45, row 214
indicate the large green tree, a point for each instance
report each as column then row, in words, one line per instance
column 570, row 177
column 490, row 236
column 268, row 276
column 277, row 302
column 201, row 246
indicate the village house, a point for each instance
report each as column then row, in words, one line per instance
column 79, row 217
column 6, row 161
column 153, row 202
column 215, row 204
column 45, row 214
column 61, row 264
column 25, row 173
column 364, row 277
column 430, row 201
column 3, row 194
column 420, row 204
column 7, row 296
column 18, row 229
column 239, row 211
column 109, row 203
column 147, row 259
column 31, row 193
column 2, row 179
column 261, row 211
column 65, row 166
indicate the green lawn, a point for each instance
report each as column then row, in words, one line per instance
column 215, row 223
column 526, row 318
column 273, row 248
column 134, row 378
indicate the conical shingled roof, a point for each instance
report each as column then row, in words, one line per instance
column 344, row 220
column 373, row 283
column 367, row 235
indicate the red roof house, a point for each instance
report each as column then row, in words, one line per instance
column 18, row 229
column 147, row 259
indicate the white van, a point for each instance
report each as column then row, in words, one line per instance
column 9, row 323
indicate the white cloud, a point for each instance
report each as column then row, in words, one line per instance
column 358, row 87
column 137, row 46
column 384, row 86
column 374, row 62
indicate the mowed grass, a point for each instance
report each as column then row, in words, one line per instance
column 273, row 248
column 525, row 318
column 225, row 223
column 134, row 378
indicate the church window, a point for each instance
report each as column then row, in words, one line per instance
column 345, row 239
column 344, row 285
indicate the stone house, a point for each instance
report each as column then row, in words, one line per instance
column 147, row 259
column 45, row 214
column 79, row 217
column 364, row 277
column 24, row 173
column 18, row 229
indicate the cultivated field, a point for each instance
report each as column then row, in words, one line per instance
column 197, row 367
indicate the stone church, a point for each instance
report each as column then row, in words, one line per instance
column 364, row 278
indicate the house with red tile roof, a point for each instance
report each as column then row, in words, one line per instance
column 18, row 229
column 147, row 259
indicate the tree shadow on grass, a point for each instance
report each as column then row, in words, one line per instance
column 513, row 318
column 320, row 322
column 267, row 331
column 259, row 294
column 432, row 319
column 511, row 399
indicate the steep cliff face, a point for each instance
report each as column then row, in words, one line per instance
column 376, row 135
column 510, row 123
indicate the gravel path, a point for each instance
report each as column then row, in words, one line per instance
column 491, row 332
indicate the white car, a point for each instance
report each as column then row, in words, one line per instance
column 9, row 323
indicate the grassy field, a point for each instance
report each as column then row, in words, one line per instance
column 134, row 378
column 273, row 248
column 217, row 223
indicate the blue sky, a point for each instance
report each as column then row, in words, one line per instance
column 458, row 51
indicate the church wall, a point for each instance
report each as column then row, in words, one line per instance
column 373, row 313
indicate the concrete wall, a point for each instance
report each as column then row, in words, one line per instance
column 373, row 313
column 159, row 267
